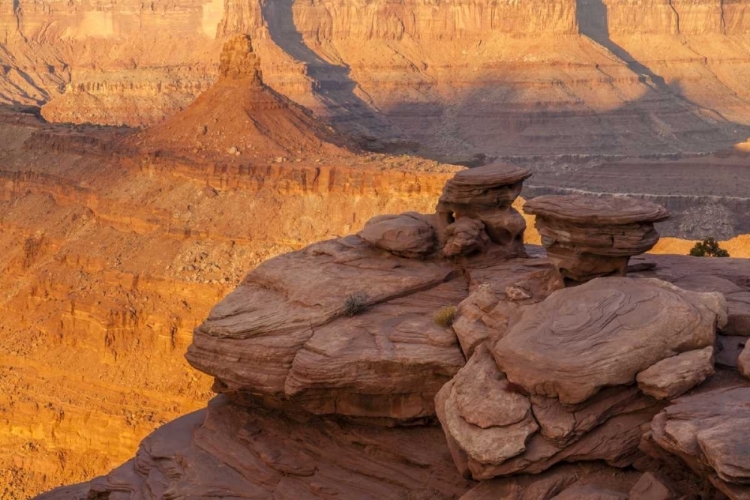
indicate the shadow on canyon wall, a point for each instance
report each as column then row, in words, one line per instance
column 331, row 82
column 593, row 22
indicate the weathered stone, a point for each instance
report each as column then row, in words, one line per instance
column 651, row 487
column 251, row 340
column 590, row 492
column 464, row 237
column 407, row 235
column 603, row 333
column 486, row 418
column 592, row 236
column 674, row 376
column 562, row 424
column 486, row 194
column 499, row 292
column 709, row 431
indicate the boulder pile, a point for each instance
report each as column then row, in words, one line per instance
column 428, row 357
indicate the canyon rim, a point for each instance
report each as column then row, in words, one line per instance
column 154, row 154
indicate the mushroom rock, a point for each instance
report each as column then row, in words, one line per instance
column 486, row 194
column 594, row 236
column 603, row 333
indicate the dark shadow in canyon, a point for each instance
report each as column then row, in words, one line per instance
column 331, row 83
column 577, row 149
column 593, row 22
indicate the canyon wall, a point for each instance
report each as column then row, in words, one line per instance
column 110, row 258
column 452, row 79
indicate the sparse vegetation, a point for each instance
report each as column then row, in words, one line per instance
column 708, row 248
column 445, row 316
column 355, row 304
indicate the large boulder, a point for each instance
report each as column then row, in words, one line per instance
column 408, row 235
column 603, row 334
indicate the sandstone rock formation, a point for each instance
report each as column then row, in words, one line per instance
column 600, row 77
column 328, row 360
column 674, row 376
column 707, row 430
column 588, row 236
column 113, row 252
column 485, row 194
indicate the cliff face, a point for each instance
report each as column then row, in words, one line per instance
column 456, row 78
column 115, row 243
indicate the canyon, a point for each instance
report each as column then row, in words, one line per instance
column 449, row 79
column 433, row 355
column 143, row 174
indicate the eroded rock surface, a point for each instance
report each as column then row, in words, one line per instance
column 407, row 235
column 674, row 376
column 603, row 333
column 486, row 194
column 233, row 451
column 709, row 432
column 592, row 236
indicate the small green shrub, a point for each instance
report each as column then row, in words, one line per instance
column 355, row 303
column 445, row 316
column 708, row 248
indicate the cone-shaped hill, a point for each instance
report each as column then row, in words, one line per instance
column 239, row 116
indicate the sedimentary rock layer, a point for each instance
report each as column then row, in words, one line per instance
column 457, row 78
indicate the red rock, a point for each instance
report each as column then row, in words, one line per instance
column 592, row 236
column 674, row 376
column 603, row 333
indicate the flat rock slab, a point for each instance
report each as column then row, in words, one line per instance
column 408, row 235
column 726, row 275
column 675, row 376
column 595, row 210
column 389, row 361
column 604, row 333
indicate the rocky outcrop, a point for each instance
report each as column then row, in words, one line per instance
column 485, row 194
column 674, row 376
column 333, row 361
column 610, row 329
column 588, row 237
column 706, row 430
column 116, row 252
column 542, row 385
column 317, row 328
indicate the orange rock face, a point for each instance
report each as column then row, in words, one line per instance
column 115, row 244
column 459, row 78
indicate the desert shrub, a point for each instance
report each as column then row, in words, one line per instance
column 708, row 248
column 445, row 316
column 355, row 304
